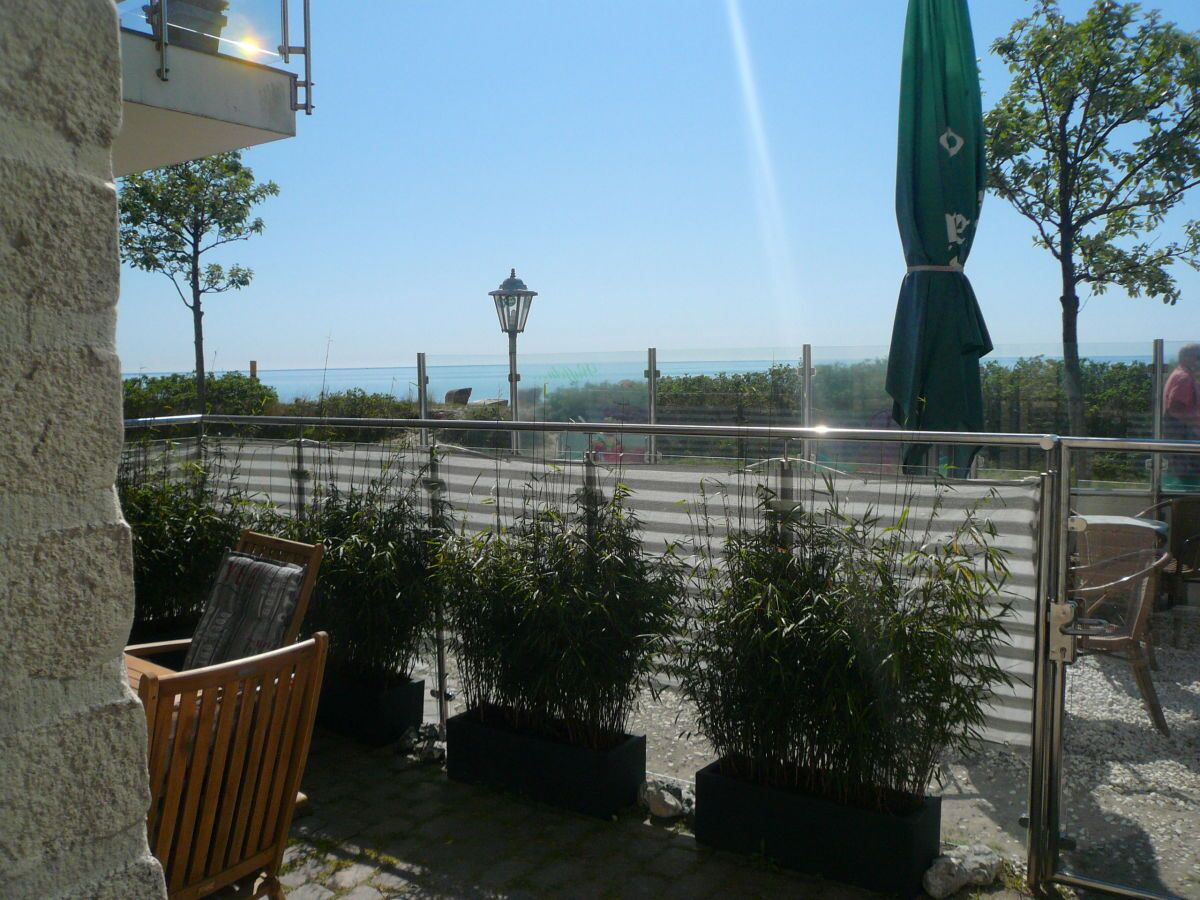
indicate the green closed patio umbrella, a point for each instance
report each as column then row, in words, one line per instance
column 939, row 333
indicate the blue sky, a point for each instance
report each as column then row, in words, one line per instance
column 608, row 151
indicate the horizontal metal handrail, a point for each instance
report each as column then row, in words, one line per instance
column 790, row 432
column 1132, row 445
column 165, row 421
column 767, row 432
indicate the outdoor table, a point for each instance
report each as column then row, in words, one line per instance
column 1116, row 537
column 1127, row 522
column 136, row 667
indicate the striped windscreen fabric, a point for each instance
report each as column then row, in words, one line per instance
column 679, row 500
column 681, row 505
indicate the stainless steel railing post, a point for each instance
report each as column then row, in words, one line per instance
column 422, row 399
column 806, row 404
column 161, row 24
column 287, row 48
column 1157, row 425
column 436, row 487
column 1057, row 688
column 1039, row 865
column 299, row 475
column 652, row 375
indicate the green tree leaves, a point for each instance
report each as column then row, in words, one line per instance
column 1095, row 142
column 171, row 217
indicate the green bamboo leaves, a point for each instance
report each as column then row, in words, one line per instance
column 558, row 621
column 832, row 656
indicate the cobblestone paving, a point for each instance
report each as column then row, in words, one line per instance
column 377, row 829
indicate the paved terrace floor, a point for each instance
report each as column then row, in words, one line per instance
column 377, row 829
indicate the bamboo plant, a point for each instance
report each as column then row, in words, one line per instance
column 829, row 655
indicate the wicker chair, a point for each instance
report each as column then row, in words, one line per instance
column 228, row 746
column 1121, row 590
column 1183, row 516
column 172, row 653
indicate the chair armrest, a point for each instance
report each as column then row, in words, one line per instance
column 158, row 648
column 1149, row 510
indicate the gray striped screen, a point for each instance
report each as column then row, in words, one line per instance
column 484, row 491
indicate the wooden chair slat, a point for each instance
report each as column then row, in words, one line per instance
column 231, row 788
column 254, row 762
column 228, row 748
column 282, row 765
column 267, row 769
column 212, row 789
column 299, row 757
column 179, row 755
column 197, row 775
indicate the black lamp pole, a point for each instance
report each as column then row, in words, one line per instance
column 513, row 300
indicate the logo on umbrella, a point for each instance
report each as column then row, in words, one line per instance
column 956, row 228
column 951, row 142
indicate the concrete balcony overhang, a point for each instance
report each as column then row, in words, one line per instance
column 210, row 104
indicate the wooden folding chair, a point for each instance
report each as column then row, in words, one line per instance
column 267, row 547
column 228, row 746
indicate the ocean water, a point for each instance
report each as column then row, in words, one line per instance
column 489, row 379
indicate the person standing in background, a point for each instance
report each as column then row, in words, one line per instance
column 1181, row 419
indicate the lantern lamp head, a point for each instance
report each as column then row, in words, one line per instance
column 513, row 300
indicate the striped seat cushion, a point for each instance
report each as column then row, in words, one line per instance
column 248, row 612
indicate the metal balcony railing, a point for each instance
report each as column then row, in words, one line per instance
column 258, row 31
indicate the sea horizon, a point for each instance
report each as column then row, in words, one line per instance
column 487, row 376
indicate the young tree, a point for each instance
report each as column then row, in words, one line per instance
column 172, row 217
column 1096, row 140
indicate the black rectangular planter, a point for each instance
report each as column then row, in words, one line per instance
column 797, row 831
column 593, row 782
column 368, row 712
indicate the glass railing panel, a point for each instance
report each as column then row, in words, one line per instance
column 1180, row 419
column 1129, row 779
column 757, row 386
column 246, row 29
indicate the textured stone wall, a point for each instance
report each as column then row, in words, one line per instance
column 73, row 789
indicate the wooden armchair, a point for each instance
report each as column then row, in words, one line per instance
column 1122, row 590
column 228, row 746
column 172, row 653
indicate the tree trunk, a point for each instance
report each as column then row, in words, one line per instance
column 201, row 385
column 1072, row 372
column 198, row 333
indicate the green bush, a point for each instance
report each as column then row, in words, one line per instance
column 826, row 656
column 231, row 394
column 353, row 403
column 743, row 398
column 480, row 440
column 557, row 621
column 374, row 593
column 622, row 401
column 182, row 526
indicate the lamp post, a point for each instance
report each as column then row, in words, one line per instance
column 513, row 300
